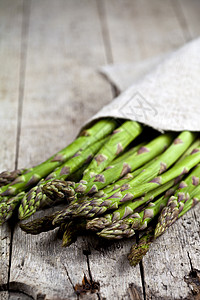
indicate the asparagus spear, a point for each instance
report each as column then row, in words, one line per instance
column 165, row 160
column 122, row 181
column 140, row 249
column 6, row 177
column 126, row 154
column 126, row 227
column 175, row 151
column 8, row 205
column 97, row 207
column 144, row 154
column 132, row 175
column 120, row 138
column 71, row 230
column 193, row 146
column 181, row 143
column 39, row 225
column 35, row 198
column 191, row 202
column 137, row 221
column 177, row 202
column 61, row 189
column 98, row 131
column 77, row 175
column 45, row 224
column 127, row 208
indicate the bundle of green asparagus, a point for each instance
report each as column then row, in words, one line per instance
column 115, row 179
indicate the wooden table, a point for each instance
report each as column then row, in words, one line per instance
column 49, row 86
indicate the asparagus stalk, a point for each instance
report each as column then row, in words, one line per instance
column 39, row 225
column 77, row 175
column 61, row 189
column 122, row 181
column 143, row 155
column 126, row 154
column 8, row 206
column 192, row 148
column 96, row 207
column 119, row 140
column 177, row 202
column 98, row 131
column 6, row 177
column 45, row 224
column 140, row 249
column 97, row 224
column 137, row 221
column 127, row 208
column 71, row 230
column 174, row 152
column 126, row 227
column 133, row 174
column 181, row 143
column 191, row 202
column 133, row 162
column 35, row 198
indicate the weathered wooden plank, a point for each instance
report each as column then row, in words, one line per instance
column 62, row 90
column 155, row 28
column 10, row 36
column 141, row 29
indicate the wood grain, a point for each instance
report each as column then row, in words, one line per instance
column 10, row 36
column 141, row 29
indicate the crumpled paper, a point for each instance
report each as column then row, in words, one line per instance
column 163, row 93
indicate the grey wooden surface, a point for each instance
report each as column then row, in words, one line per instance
column 49, row 86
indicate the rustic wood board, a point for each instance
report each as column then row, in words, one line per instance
column 63, row 43
column 141, row 29
column 10, row 46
